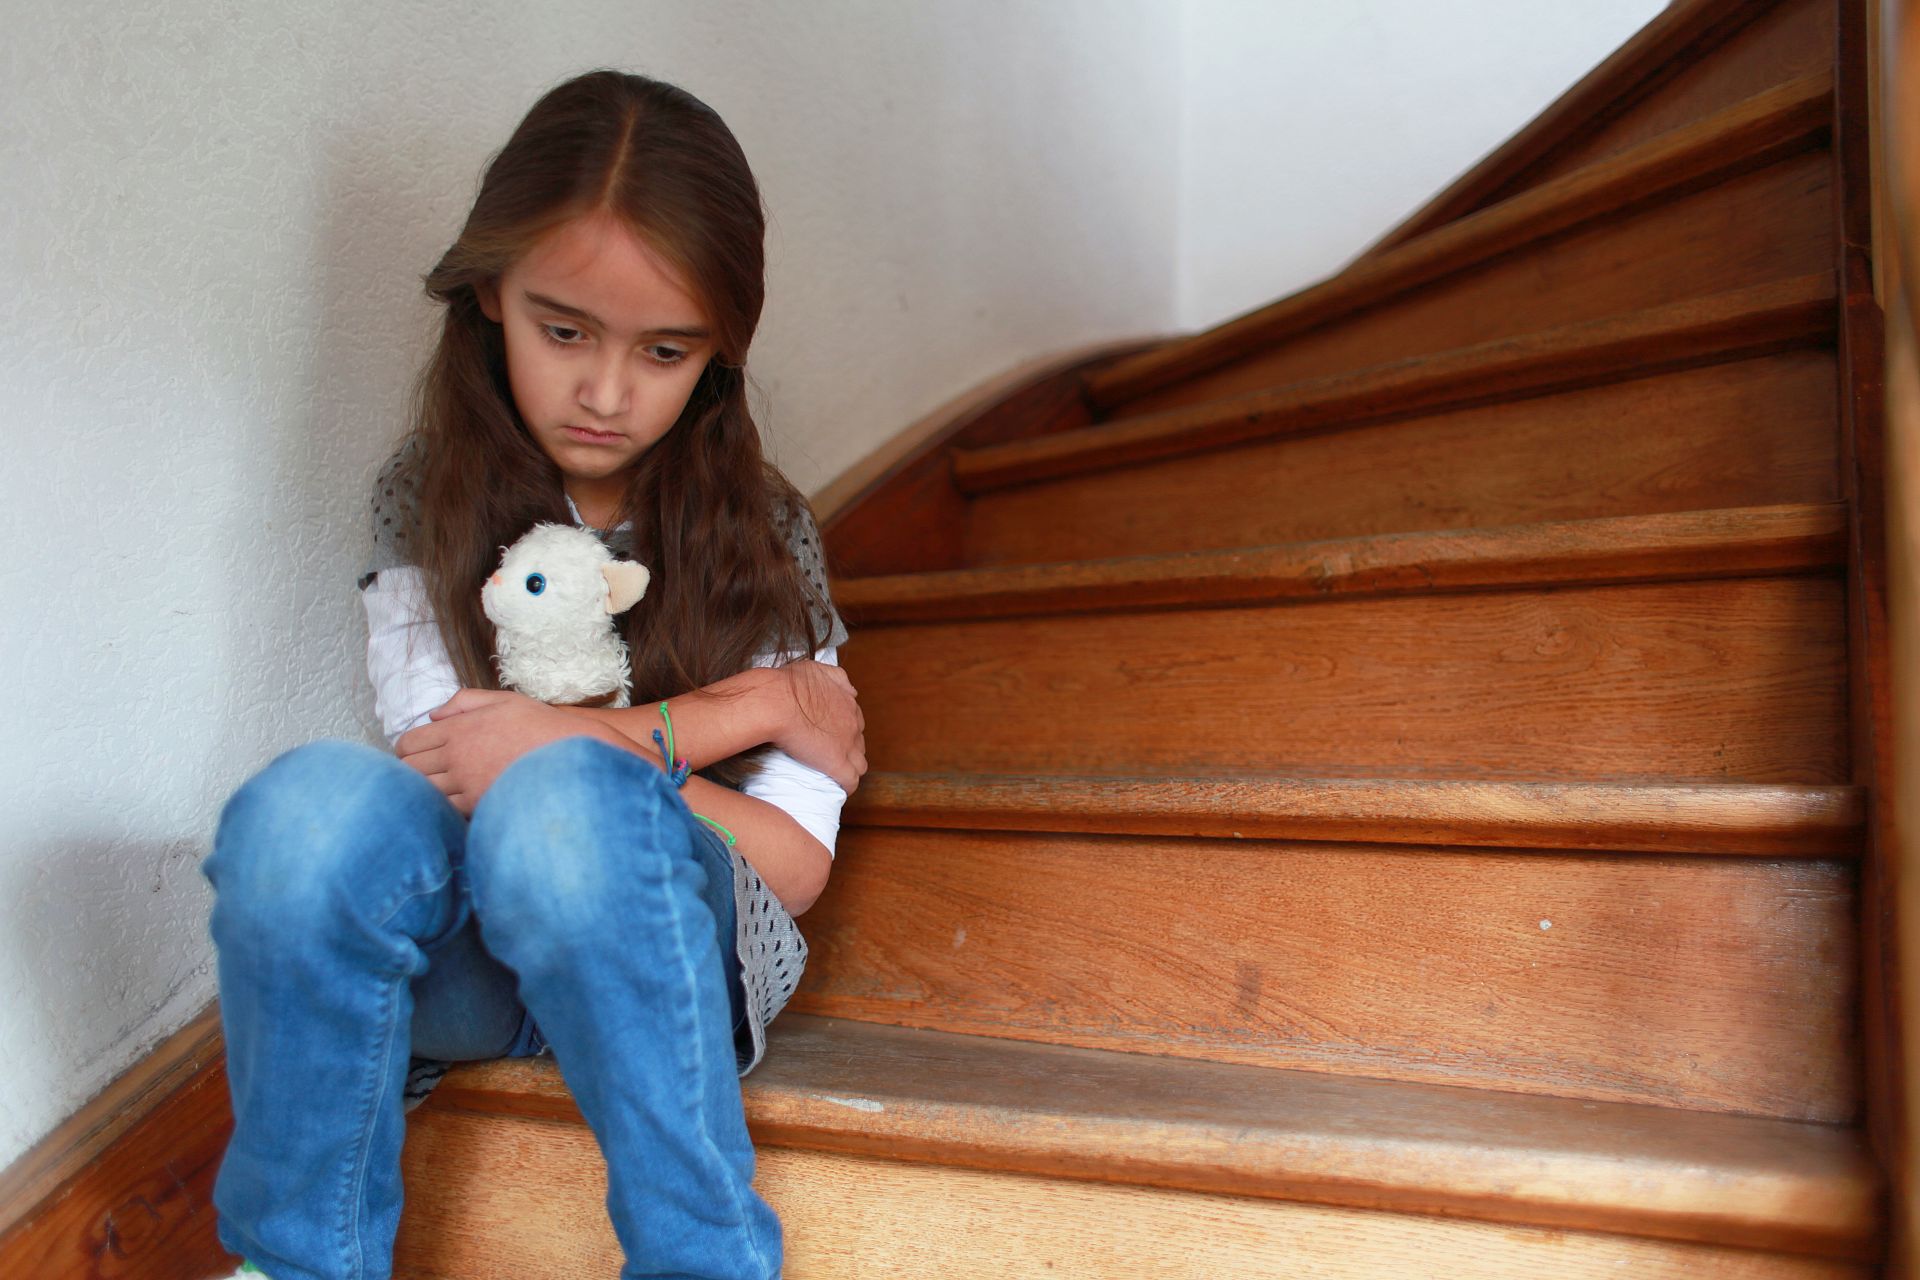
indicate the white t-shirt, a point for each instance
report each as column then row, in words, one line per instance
column 412, row 674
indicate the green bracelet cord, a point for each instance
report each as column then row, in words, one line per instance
column 669, row 720
column 717, row 827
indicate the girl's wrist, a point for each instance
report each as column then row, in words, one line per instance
column 774, row 703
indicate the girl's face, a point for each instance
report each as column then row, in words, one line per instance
column 604, row 345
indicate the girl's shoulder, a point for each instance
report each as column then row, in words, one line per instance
column 395, row 509
column 794, row 518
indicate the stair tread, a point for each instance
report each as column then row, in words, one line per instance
column 1056, row 1110
column 1762, row 820
column 1768, row 125
column 1688, row 544
column 1732, row 325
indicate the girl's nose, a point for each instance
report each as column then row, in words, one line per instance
column 605, row 389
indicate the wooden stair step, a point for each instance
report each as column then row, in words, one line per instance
column 1691, row 647
column 1744, row 433
column 1735, row 324
column 1677, row 545
column 1061, row 1112
column 1726, row 818
column 1773, row 124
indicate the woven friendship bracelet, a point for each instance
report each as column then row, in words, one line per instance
column 677, row 770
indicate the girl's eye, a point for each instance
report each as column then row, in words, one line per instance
column 561, row 335
column 535, row 584
column 675, row 355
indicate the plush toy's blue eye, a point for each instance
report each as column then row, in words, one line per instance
column 535, row 584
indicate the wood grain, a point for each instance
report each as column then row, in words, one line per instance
column 1721, row 985
column 142, row 1207
column 1765, row 128
column 1689, row 545
column 1768, row 225
column 1738, row 680
column 1747, row 433
column 1729, row 818
column 1739, row 323
column 1006, row 1106
column 849, row 1217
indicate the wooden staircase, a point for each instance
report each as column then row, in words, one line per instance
column 1380, row 788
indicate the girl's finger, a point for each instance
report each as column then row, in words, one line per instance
column 432, row 762
column 425, row 737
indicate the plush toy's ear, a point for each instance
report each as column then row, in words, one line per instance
column 626, row 583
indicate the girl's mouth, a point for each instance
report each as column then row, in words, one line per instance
column 585, row 436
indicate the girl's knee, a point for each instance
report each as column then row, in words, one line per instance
column 566, row 820
column 310, row 818
column 579, row 763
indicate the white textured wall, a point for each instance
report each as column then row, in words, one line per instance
column 1310, row 129
column 213, row 222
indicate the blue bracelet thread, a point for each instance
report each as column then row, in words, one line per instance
column 678, row 770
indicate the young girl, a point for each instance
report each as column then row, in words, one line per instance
column 520, row 878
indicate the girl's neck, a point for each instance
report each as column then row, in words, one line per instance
column 596, row 510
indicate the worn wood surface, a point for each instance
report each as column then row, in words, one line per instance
column 1748, row 433
column 1743, row 322
column 1737, row 680
column 1702, row 331
column 1005, row 1105
column 1728, row 818
column 1687, row 545
column 1768, row 127
column 1719, row 984
column 142, row 1207
column 849, row 1217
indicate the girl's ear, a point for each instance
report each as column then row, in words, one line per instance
column 488, row 292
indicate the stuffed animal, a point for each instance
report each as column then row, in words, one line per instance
column 552, row 603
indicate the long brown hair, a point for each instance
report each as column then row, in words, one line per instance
column 707, row 508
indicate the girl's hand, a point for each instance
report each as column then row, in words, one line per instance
column 474, row 735
column 819, row 723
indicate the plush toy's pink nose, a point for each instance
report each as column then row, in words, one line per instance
column 494, row 581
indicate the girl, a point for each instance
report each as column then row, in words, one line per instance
column 523, row 877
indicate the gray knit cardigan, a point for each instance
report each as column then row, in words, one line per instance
column 772, row 951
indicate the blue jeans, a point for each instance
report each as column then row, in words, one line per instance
column 359, row 918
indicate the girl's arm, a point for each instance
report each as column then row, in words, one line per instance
column 806, row 709
column 793, row 864
column 412, row 676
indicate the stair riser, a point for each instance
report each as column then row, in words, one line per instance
column 1733, row 680
column 857, row 1218
column 1676, row 981
column 1770, row 224
column 1751, row 432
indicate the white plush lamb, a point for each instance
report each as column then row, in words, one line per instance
column 552, row 603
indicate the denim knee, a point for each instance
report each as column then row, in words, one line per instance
column 561, row 833
column 317, row 824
